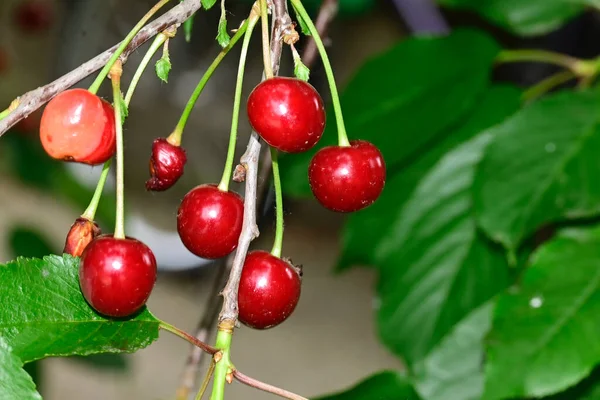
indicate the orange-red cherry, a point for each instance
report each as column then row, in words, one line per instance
column 287, row 113
column 347, row 178
column 209, row 221
column 78, row 126
column 116, row 276
column 269, row 290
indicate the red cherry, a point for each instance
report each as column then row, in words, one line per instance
column 287, row 113
column 78, row 126
column 34, row 16
column 166, row 165
column 347, row 179
column 116, row 276
column 269, row 290
column 209, row 221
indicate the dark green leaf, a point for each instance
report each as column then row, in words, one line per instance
column 222, row 35
column 365, row 229
column 531, row 17
column 26, row 242
column 43, row 313
column 15, row 383
column 545, row 331
column 303, row 26
column 435, row 268
column 454, row 369
column 386, row 385
column 208, row 4
column 540, row 168
column 163, row 67
column 405, row 99
column 588, row 389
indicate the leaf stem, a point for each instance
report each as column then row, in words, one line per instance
column 187, row 337
column 547, row 84
column 335, row 98
column 222, row 362
column 266, row 48
column 160, row 39
column 277, row 244
column 104, row 72
column 245, row 379
column 577, row 66
column 224, row 184
column 176, row 135
column 115, row 77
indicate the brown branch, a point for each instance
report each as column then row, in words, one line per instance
column 229, row 311
column 31, row 101
column 246, row 380
column 327, row 13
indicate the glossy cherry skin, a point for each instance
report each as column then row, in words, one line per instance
column 78, row 126
column 346, row 179
column 269, row 290
column 166, row 165
column 34, row 16
column 116, row 276
column 287, row 113
column 209, row 221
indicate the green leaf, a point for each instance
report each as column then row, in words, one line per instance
column 223, row 37
column 163, row 67
column 588, row 389
column 453, row 369
column 303, row 26
column 365, row 229
column 540, row 168
column 531, row 17
column 406, row 99
column 301, row 71
column 43, row 313
column 208, row 4
column 15, row 383
column 545, row 331
column 385, row 385
column 435, row 268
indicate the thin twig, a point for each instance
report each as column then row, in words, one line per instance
column 31, row 101
column 229, row 311
column 246, row 380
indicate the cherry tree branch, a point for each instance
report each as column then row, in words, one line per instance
column 249, row 160
column 29, row 102
column 245, row 379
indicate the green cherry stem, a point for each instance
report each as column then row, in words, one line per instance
column 115, row 78
column 335, row 98
column 222, row 364
column 104, row 72
column 90, row 212
column 264, row 17
column 160, row 39
column 224, row 184
column 206, row 381
column 175, row 136
column 277, row 244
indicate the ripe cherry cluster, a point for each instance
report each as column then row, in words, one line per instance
column 118, row 273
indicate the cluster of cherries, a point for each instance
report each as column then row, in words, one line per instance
column 117, row 275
